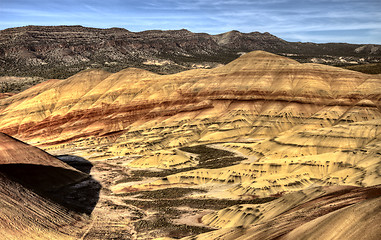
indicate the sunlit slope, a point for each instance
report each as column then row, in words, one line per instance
column 39, row 104
column 315, row 213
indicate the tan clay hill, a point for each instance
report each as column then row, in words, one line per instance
column 23, row 213
column 291, row 127
column 35, row 167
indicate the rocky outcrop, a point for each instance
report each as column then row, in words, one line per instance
column 60, row 51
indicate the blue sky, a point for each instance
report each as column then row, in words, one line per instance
column 299, row 20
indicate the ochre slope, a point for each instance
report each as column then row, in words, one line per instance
column 298, row 126
column 122, row 98
column 13, row 151
column 37, row 104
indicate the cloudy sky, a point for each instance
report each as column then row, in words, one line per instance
column 350, row 21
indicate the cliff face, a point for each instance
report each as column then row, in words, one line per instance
column 60, row 51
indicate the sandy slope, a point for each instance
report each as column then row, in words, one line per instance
column 316, row 213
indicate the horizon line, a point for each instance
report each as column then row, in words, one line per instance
column 182, row 29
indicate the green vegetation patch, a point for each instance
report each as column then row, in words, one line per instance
column 371, row 68
column 206, row 152
column 167, row 210
column 168, row 193
column 211, row 158
column 16, row 85
column 172, row 230
column 214, row 204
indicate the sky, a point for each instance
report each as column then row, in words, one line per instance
column 293, row 20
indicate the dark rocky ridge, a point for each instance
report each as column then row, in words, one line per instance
column 60, row 51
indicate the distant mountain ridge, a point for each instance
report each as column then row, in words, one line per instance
column 60, row 51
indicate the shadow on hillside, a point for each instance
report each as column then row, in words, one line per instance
column 76, row 162
column 82, row 196
column 73, row 190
